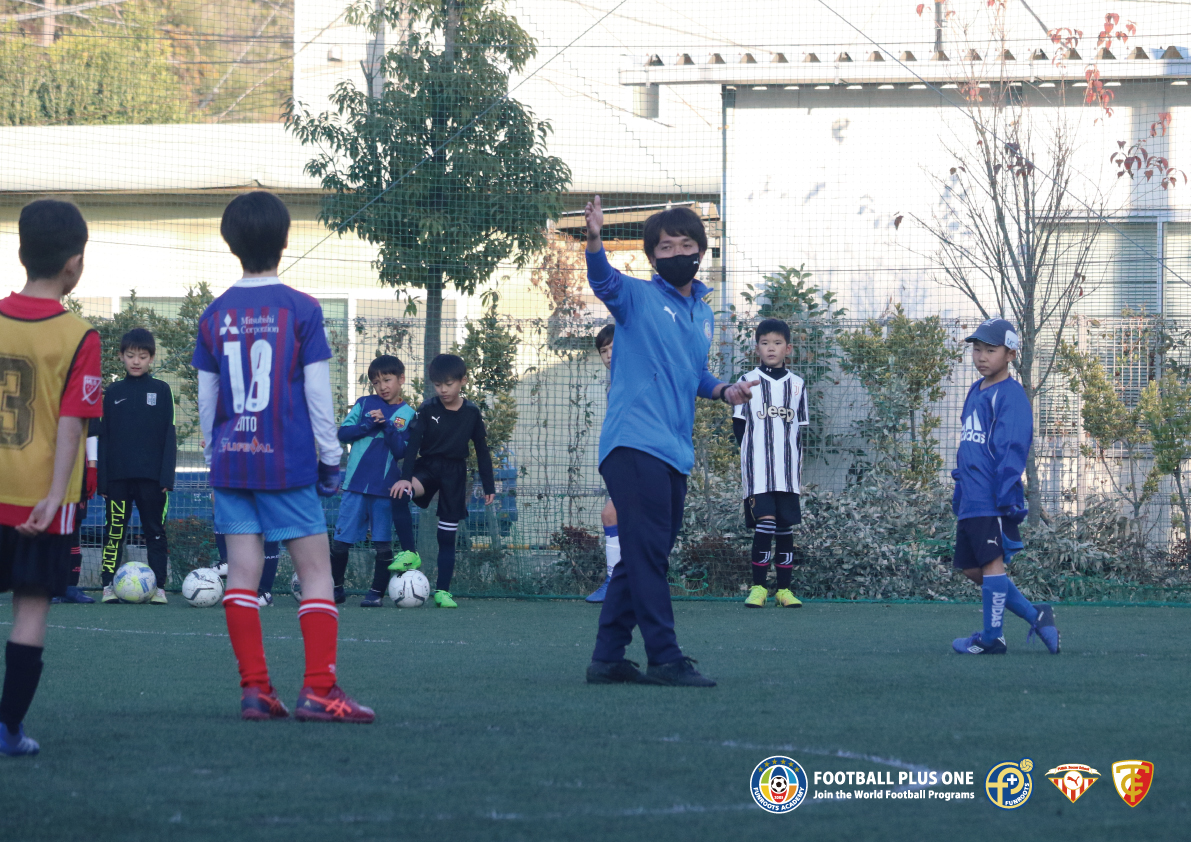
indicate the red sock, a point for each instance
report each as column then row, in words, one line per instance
column 320, row 633
column 244, row 628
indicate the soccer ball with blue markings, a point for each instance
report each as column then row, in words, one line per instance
column 134, row 582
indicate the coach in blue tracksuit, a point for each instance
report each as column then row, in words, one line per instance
column 663, row 335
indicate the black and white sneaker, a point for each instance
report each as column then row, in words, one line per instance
column 680, row 673
column 221, row 569
column 614, row 672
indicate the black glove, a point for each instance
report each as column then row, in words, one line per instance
column 328, row 480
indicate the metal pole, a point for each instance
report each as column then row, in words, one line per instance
column 727, row 286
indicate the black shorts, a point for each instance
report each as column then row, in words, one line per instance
column 42, row 562
column 448, row 479
column 782, row 506
column 978, row 541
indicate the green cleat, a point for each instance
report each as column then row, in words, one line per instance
column 444, row 600
column 785, row 599
column 159, row 598
column 406, row 560
column 109, row 596
column 757, row 597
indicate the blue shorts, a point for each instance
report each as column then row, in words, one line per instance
column 359, row 513
column 277, row 515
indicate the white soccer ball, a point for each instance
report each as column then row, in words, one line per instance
column 202, row 587
column 409, row 590
column 134, row 582
column 295, row 588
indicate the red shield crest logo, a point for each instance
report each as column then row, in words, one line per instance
column 1132, row 779
column 1073, row 779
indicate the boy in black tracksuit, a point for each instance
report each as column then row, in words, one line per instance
column 436, row 461
column 138, row 450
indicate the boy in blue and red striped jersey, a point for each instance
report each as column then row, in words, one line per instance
column 266, row 414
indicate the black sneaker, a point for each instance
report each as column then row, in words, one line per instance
column 680, row 673
column 373, row 599
column 614, row 672
column 340, row 595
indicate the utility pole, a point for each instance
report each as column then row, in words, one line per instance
column 48, row 25
column 373, row 65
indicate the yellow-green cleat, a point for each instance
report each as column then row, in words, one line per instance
column 109, row 596
column 159, row 598
column 785, row 599
column 444, row 600
column 757, row 597
column 405, row 561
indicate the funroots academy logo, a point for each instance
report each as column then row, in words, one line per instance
column 1132, row 779
column 778, row 784
column 1073, row 779
column 1008, row 785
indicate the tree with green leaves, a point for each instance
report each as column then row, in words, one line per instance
column 901, row 363
column 811, row 313
column 1166, row 410
column 1114, row 423
column 106, row 73
column 437, row 166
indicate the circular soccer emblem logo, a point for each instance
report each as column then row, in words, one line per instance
column 778, row 784
column 1008, row 785
column 707, row 328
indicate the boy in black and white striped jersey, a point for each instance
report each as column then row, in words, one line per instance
column 769, row 431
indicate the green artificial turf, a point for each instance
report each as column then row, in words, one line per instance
column 486, row 730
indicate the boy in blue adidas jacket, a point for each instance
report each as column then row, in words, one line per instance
column 663, row 335
column 989, row 500
column 377, row 428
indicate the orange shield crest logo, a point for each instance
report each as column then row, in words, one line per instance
column 1132, row 779
column 1073, row 779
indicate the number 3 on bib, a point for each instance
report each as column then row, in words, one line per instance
column 256, row 397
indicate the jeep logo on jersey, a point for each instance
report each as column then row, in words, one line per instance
column 972, row 431
column 783, row 412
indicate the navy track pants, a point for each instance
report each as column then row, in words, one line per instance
column 649, row 496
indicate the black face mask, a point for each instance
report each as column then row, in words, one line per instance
column 678, row 271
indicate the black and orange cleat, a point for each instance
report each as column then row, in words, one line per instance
column 257, row 704
column 334, row 706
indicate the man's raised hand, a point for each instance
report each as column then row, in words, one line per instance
column 593, row 215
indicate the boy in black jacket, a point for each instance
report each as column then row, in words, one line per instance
column 138, row 450
column 436, row 461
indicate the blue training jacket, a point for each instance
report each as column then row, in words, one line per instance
column 659, row 363
column 373, row 465
column 998, row 426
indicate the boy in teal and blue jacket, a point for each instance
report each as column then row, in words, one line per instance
column 377, row 428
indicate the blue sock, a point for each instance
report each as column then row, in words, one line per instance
column 994, row 591
column 269, row 573
column 446, row 555
column 1018, row 604
column 611, row 531
column 403, row 525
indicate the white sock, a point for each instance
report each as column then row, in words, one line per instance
column 612, row 552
